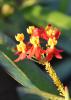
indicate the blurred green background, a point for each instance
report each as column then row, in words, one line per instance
column 17, row 15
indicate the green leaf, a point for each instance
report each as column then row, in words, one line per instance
column 19, row 76
column 38, row 78
column 14, row 71
column 45, row 15
column 26, row 3
column 30, row 94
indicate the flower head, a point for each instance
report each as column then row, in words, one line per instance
column 34, row 47
column 52, row 42
column 19, row 37
column 51, row 52
column 52, row 32
column 30, row 30
column 34, row 41
column 35, row 52
column 21, row 47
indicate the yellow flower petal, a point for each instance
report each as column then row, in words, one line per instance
column 52, row 42
column 19, row 37
column 34, row 40
column 30, row 29
column 21, row 47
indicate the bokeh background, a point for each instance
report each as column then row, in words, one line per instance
column 15, row 17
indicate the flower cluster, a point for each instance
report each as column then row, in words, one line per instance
column 33, row 48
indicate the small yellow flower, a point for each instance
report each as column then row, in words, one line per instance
column 49, row 32
column 7, row 9
column 21, row 47
column 34, row 40
column 52, row 42
column 53, row 33
column 19, row 37
column 30, row 29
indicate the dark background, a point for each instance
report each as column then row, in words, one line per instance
column 7, row 86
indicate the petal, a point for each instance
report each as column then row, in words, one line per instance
column 60, row 50
column 43, row 51
column 57, row 34
column 36, row 32
column 43, row 33
column 38, row 53
column 57, row 50
column 29, row 50
column 17, row 60
column 49, row 57
column 22, row 56
column 58, row 56
column 17, row 53
column 50, row 50
column 31, row 53
column 28, row 46
column 44, row 36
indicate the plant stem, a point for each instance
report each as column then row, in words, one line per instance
column 55, row 78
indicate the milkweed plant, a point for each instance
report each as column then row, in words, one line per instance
column 34, row 50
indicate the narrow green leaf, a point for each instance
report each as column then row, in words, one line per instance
column 14, row 71
column 44, row 16
column 30, row 94
column 19, row 76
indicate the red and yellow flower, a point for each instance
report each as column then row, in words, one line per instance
column 19, row 37
column 30, row 30
column 52, row 32
column 33, row 48
column 21, row 47
column 51, row 52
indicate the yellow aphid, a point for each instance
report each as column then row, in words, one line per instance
column 19, row 37
column 34, row 41
column 7, row 9
column 52, row 42
column 30, row 29
column 21, row 47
